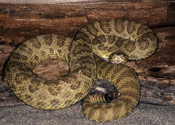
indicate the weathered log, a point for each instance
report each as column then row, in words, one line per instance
column 157, row 93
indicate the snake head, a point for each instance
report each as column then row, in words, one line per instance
column 118, row 58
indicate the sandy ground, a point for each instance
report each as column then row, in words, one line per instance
column 144, row 114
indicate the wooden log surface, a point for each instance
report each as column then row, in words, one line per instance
column 19, row 22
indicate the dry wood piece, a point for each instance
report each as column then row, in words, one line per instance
column 156, row 93
column 52, row 69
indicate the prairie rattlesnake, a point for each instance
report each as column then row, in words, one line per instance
column 113, row 40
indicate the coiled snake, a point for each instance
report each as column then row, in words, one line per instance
column 115, row 41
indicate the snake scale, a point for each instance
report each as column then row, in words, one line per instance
column 91, row 55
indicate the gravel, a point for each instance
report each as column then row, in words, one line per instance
column 144, row 114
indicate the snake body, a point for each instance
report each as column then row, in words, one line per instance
column 127, row 83
column 116, row 41
column 113, row 40
column 48, row 94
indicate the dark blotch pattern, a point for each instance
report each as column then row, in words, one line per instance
column 43, row 53
column 119, row 26
column 111, row 49
column 35, row 43
column 37, row 58
column 22, row 89
column 82, row 48
column 54, row 102
column 23, row 47
column 86, row 60
column 82, row 36
column 13, row 65
column 19, row 78
column 75, row 85
column 51, row 50
column 19, row 56
column 54, row 91
column 27, row 97
column 111, row 39
column 131, row 27
column 61, row 41
column 48, row 39
column 99, row 40
column 119, row 42
column 33, row 88
column 96, row 41
column 105, row 26
column 149, row 35
column 40, row 105
column 92, row 30
column 102, row 47
column 130, row 46
column 35, row 81
column 143, row 44
column 142, row 29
